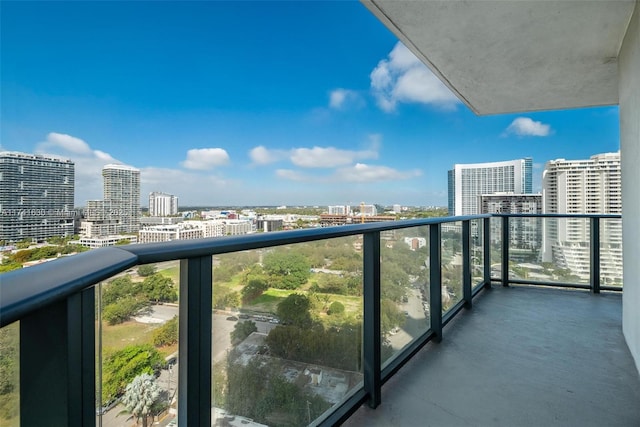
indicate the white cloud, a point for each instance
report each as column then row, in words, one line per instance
column 205, row 158
column 88, row 163
column 328, row 157
column 340, row 99
column 369, row 173
column 524, row 126
column 316, row 157
column 67, row 143
column 261, row 155
column 401, row 77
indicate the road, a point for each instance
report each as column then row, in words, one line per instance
column 416, row 322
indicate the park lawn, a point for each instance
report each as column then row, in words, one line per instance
column 172, row 273
column 115, row 337
column 269, row 300
column 352, row 304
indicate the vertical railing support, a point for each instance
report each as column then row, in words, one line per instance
column 57, row 363
column 595, row 255
column 435, row 280
column 486, row 249
column 466, row 263
column 371, row 338
column 505, row 250
column 194, row 352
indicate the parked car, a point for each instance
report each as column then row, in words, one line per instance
column 232, row 318
column 243, row 316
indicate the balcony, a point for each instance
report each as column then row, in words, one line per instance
column 518, row 354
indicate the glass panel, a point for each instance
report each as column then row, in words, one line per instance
column 611, row 252
column 404, row 307
column 525, row 249
column 138, row 345
column 287, row 331
column 451, row 264
column 496, row 247
column 10, row 375
column 562, row 256
column 477, row 253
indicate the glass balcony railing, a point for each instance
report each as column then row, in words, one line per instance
column 286, row 328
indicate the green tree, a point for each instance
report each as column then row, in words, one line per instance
column 159, row 288
column 118, row 288
column 122, row 366
column 390, row 316
column 146, row 270
column 336, row 308
column 254, row 289
column 122, row 310
column 166, row 334
column 286, row 269
column 140, row 396
column 295, row 310
column 9, row 376
column 242, row 330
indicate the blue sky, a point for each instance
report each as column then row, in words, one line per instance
column 255, row 103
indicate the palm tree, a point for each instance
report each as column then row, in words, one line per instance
column 140, row 395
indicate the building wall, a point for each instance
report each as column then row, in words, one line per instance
column 468, row 181
column 629, row 95
column 36, row 197
column 589, row 186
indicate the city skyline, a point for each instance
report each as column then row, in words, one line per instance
column 227, row 109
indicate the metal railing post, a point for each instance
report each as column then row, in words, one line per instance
column 194, row 351
column 435, row 280
column 505, row 250
column 371, row 334
column 486, row 248
column 466, row 263
column 595, row 255
column 57, row 363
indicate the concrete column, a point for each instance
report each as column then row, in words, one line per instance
column 629, row 96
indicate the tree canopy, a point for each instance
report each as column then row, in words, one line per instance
column 140, row 396
column 122, row 366
column 286, row 269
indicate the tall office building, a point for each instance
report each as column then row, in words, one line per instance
column 583, row 187
column 36, row 196
column 162, row 204
column 468, row 181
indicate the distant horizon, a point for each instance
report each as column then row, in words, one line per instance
column 219, row 106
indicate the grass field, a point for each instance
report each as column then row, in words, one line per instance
column 118, row 336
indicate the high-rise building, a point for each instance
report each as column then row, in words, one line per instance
column 339, row 210
column 468, row 181
column 36, row 196
column 122, row 196
column 590, row 186
column 162, row 204
column 524, row 233
column 119, row 211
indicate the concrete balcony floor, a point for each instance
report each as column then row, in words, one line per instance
column 522, row 356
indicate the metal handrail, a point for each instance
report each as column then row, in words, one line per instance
column 27, row 290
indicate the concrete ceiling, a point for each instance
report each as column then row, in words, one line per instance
column 512, row 56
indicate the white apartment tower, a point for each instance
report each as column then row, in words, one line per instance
column 162, row 204
column 468, row 181
column 122, row 196
column 36, row 196
column 590, row 186
column 119, row 211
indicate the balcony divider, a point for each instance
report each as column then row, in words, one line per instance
column 372, row 340
column 435, row 280
column 194, row 348
column 594, row 258
column 466, row 264
column 505, row 250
